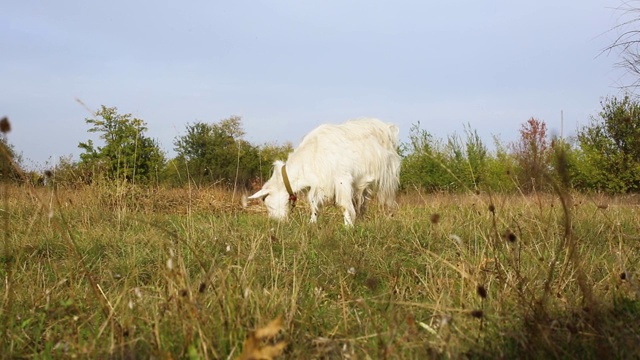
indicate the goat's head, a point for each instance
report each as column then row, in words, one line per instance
column 274, row 194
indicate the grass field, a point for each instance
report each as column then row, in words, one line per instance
column 125, row 272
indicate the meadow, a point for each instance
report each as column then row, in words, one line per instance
column 119, row 271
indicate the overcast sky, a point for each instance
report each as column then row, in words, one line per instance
column 288, row 66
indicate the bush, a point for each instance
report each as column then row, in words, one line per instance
column 458, row 165
column 532, row 154
column 424, row 163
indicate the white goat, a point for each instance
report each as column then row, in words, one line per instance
column 345, row 163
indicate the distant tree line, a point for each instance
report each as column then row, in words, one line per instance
column 207, row 154
column 604, row 156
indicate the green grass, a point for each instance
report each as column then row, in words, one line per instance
column 121, row 272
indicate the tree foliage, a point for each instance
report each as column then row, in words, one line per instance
column 217, row 153
column 610, row 145
column 127, row 154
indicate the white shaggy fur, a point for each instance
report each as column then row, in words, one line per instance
column 345, row 163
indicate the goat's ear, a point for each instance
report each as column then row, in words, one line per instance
column 261, row 194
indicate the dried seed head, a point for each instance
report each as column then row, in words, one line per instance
column 482, row 292
column 623, row 275
column 5, row 126
column 202, row 288
column 48, row 173
column 509, row 235
column 435, row 218
column 184, row 293
column 492, row 208
column 478, row 314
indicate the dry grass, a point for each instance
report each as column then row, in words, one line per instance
column 115, row 271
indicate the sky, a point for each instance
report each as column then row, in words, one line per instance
column 286, row 67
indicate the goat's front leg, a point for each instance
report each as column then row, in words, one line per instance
column 344, row 199
column 314, row 204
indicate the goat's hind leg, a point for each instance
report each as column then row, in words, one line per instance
column 362, row 196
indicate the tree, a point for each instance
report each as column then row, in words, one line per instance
column 532, row 154
column 216, row 153
column 610, row 145
column 127, row 153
